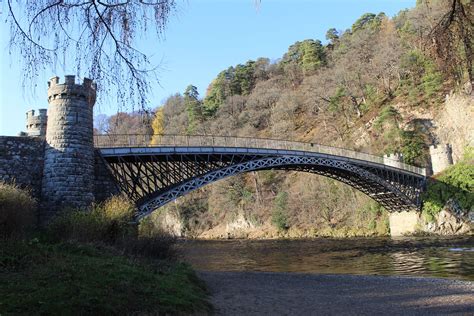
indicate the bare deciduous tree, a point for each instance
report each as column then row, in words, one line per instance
column 98, row 36
column 453, row 37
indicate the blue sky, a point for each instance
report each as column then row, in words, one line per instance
column 202, row 38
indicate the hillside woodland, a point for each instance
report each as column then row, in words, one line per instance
column 384, row 85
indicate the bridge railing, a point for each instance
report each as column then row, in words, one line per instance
column 142, row 140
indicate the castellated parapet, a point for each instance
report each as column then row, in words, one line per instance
column 394, row 160
column 36, row 124
column 441, row 157
column 68, row 176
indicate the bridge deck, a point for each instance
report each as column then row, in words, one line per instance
column 112, row 145
column 223, row 154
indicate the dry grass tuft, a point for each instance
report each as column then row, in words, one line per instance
column 17, row 211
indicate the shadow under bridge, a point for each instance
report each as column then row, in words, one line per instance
column 154, row 170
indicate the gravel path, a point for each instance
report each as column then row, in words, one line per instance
column 263, row 293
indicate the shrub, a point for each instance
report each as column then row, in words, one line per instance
column 279, row 217
column 455, row 182
column 119, row 208
column 413, row 146
column 158, row 246
column 388, row 114
column 17, row 211
column 78, row 225
column 108, row 222
column 422, row 78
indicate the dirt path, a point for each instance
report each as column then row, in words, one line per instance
column 260, row 293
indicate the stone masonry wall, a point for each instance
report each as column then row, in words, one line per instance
column 104, row 184
column 21, row 162
column 68, row 180
column 441, row 157
column 36, row 124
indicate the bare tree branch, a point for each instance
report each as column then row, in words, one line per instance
column 103, row 37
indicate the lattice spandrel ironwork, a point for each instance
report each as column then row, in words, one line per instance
column 152, row 182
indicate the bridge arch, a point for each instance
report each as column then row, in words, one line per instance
column 372, row 185
column 153, row 175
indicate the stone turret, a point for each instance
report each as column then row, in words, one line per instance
column 68, row 176
column 441, row 157
column 394, row 160
column 36, row 124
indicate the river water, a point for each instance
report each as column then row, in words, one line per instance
column 426, row 257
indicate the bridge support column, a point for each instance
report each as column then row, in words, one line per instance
column 403, row 223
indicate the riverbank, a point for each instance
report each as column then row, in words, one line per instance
column 263, row 293
column 269, row 231
column 65, row 278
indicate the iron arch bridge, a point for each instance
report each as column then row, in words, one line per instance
column 154, row 170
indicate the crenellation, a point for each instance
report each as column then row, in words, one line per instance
column 69, row 79
column 53, row 81
column 36, row 124
column 393, row 160
column 70, row 90
column 69, row 155
column 30, row 113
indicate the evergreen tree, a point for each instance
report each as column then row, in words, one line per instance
column 309, row 55
column 332, row 35
column 193, row 107
column 362, row 22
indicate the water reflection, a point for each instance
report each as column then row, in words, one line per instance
column 429, row 257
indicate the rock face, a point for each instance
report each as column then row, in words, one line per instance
column 172, row 224
column 68, row 178
column 452, row 220
column 238, row 224
column 454, row 123
column 403, row 223
column 169, row 222
column 239, row 227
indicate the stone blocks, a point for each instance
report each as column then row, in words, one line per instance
column 21, row 162
column 36, row 124
column 393, row 160
column 68, row 178
column 441, row 157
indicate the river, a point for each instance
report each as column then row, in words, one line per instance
column 422, row 256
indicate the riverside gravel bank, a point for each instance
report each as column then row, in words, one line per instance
column 263, row 293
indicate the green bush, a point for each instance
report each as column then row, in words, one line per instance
column 413, row 147
column 279, row 217
column 422, row 79
column 455, row 182
column 388, row 114
column 17, row 211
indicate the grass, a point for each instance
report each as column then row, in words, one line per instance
column 65, row 278
column 89, row 262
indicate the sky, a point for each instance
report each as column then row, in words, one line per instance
column 202, row 38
